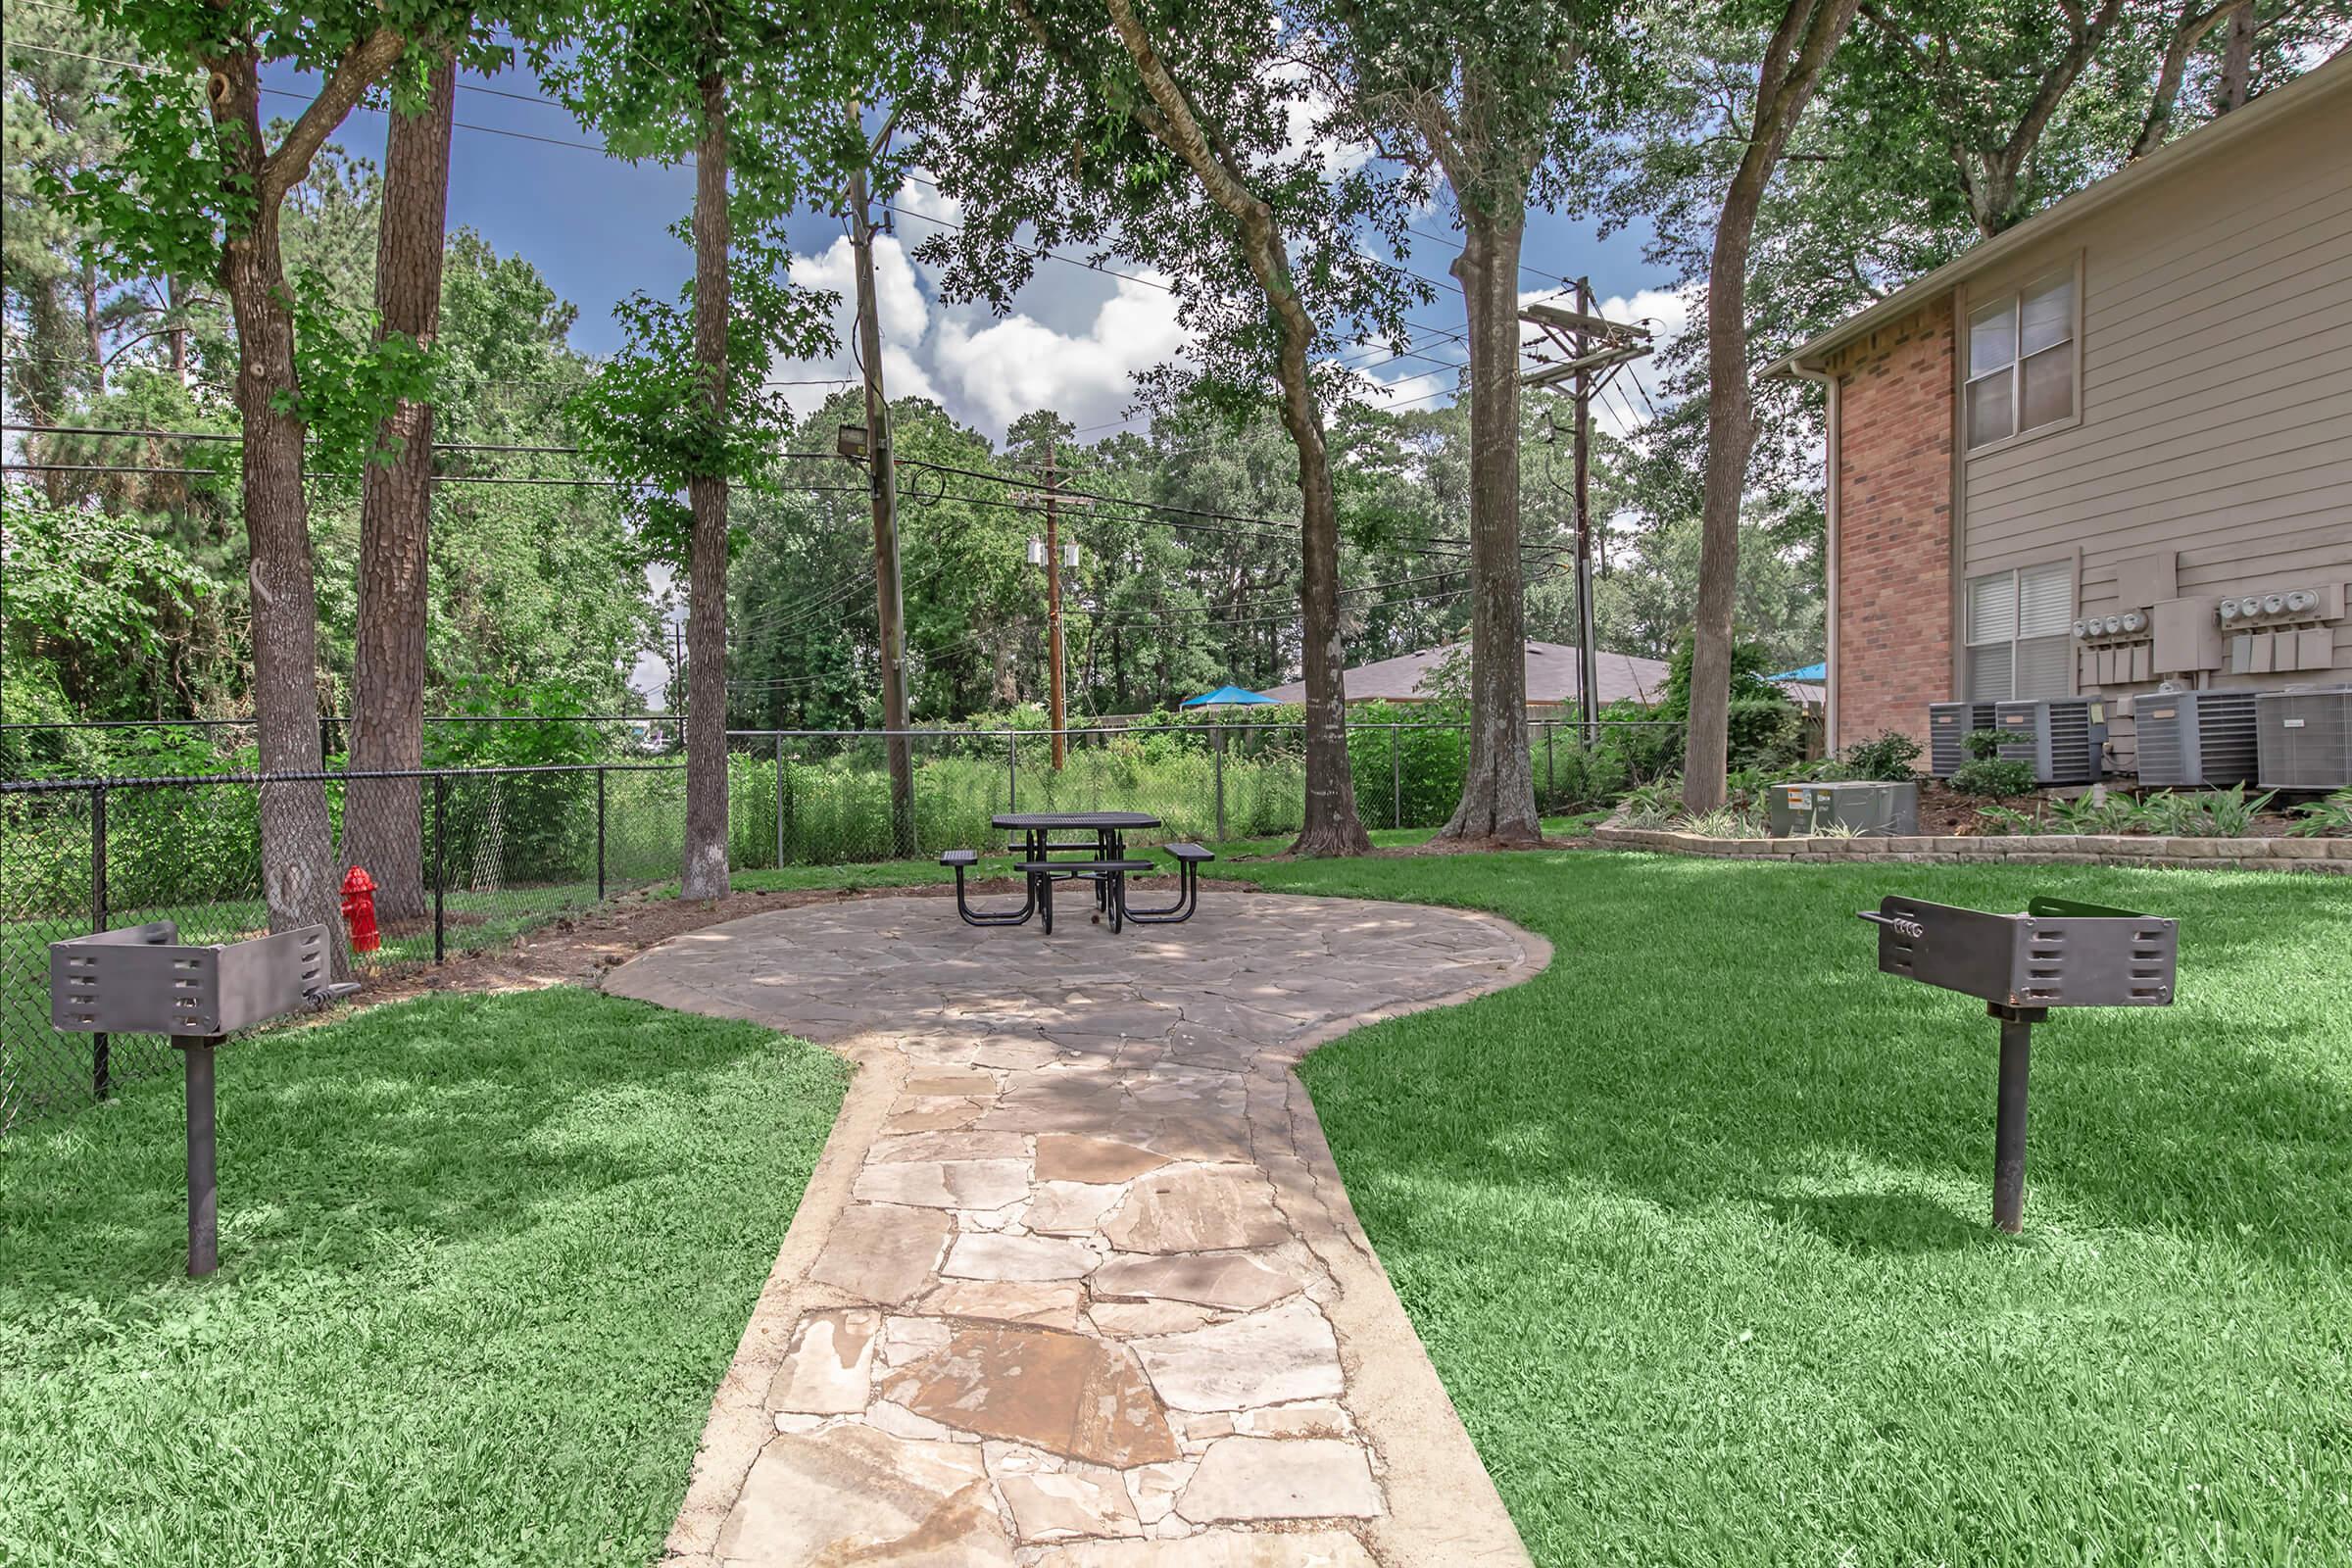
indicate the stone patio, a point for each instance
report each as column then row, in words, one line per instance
column 1075, row 1283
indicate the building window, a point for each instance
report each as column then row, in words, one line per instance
column 2020, row 627
column 2021, row 360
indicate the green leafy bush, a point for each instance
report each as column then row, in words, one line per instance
column 1994, row 776
column 1886, row 757
column 1982, row 744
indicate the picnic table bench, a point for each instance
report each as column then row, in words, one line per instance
column 1100, row 857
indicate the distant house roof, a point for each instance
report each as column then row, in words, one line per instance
column 1550, row 678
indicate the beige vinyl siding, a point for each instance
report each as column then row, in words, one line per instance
column 2216, row 388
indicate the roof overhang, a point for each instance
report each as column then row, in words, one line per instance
column 2332, row 76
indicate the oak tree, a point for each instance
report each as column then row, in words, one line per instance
column 1491, row 95
column 1182, row 136
column 752, row 90
column 196, row 189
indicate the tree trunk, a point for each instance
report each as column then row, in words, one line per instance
column 705, row 876
column 1331, row 826
column 382, row 828
column 2237, row 61
column 1499, row 791
column 298, row 853
column 1731, row 439
column 90, row 325
column 1800, row 46
column 2165, row 97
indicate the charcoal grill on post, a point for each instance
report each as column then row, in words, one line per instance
column 140, row 980
column 2057, row 954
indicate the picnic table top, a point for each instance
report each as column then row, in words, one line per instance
column 1051, row 819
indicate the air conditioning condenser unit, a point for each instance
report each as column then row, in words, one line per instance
column 1948, row 727
column 2197, row 740
column 2303, row 738
column 2063, row 738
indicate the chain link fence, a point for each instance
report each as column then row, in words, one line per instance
column 176, row 747
column 466, row 859
column 826, row 796
column 461, row 860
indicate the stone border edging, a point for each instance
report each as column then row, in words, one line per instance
column 2017, row 849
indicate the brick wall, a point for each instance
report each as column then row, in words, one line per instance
column 1895, row 526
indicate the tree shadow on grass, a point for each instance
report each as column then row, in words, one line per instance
column 357, row 1146
column 1877, row 1222
column 1712, row 1032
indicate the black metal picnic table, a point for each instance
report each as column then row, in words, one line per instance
column 1105, row 852
column 1100, row 857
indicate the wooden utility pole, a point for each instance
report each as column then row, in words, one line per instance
column 1053, row 612
column 881, row 474
column 1588, row 657
column 1594, row 347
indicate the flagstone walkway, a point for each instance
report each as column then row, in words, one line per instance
column 1076, row 1285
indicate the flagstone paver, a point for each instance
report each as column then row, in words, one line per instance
column 1076, row 1285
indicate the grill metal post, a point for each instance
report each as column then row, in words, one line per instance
column 600, row 835
column 102, row 1072
column 440, row 865
column 2009, row 1115
column 204, row 1192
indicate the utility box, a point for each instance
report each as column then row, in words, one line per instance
column 141, row 981
column 1867, row 808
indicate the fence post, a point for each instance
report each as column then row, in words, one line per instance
column 1012, row 771
column 1220, row 769
column 1551, row 788
column 440, row 870
column 600, row 835
column 779, row 803
column 102, row 1074
column 1395, row 780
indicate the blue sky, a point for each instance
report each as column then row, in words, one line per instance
column 599, row 230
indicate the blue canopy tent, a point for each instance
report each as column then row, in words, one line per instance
column 1227, row 697
column 1810, row 676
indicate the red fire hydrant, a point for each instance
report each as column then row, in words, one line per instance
column 359, row 909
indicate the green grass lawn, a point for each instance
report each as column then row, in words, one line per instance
column 1697, row 1225
column 483, row 1260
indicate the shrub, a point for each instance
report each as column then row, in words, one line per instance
column 2206, row 814
column 1766, row 729
column 1992, row 776
column 2085, row 814
column 1886, row 757
column 2330, row 815
column 1982, row 744
column 1654, row 805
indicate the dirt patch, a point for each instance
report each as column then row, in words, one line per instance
column 1482, row 847
column 578, row 949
